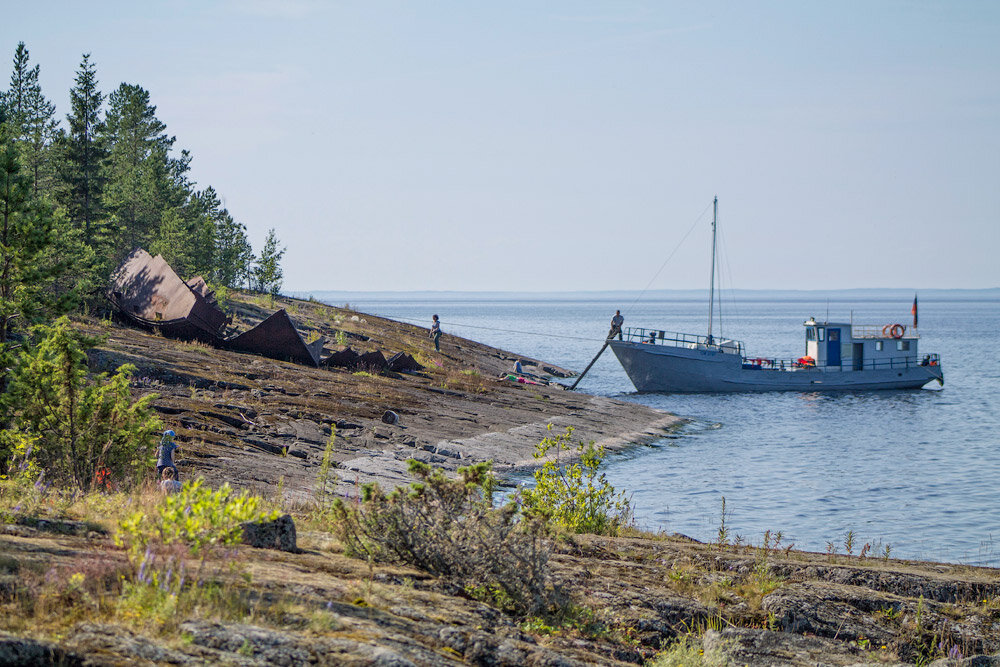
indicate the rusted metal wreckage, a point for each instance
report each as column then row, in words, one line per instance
column 146, row 291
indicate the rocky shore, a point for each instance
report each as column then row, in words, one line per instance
column 266, row 425
column 256, row 421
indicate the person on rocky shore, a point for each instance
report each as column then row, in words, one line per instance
column 616, row 325
column 169, row 484
column 165, row 454
column 436, row 333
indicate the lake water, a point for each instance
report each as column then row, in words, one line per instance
column 917, row 470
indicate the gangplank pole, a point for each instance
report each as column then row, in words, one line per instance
column 592, row 361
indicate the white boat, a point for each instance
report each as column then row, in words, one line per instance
column 838, row 356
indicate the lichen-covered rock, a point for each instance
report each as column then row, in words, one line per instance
column 278, row 534
column 98, row 644
column 25, row 651
column 748, row 646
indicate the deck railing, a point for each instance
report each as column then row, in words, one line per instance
column 675, row 339
column 929, row 360
column 880, row 331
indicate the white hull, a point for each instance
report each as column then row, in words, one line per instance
column 666, row 368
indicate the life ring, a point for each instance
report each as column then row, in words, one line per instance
column 897, row 331
column 885, row 330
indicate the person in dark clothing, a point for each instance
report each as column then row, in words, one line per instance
column 436, row 333
column 165, row 454
column 616, row 325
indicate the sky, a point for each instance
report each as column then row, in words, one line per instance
column 571, row 145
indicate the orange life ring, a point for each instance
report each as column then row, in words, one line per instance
column 885, row 330
column 897, row 331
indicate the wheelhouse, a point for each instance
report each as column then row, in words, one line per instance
column 863, row 347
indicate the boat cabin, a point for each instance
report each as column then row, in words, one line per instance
column 862, row 347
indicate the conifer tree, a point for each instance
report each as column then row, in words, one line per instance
column 42, row 260
column 82, row 154
column 267, row 272
column 89, row 430
column 33, row 119
column 172, row 241
column 137, row 169
column 234, row 254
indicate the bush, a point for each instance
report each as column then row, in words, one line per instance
column 23, row 482
column 89, row 431
column 196, row 520
column 448, row 527
column 576, row 497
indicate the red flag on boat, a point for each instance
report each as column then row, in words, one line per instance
column 914, row 311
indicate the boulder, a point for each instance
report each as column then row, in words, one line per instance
column 25, row 651
column 278, row 534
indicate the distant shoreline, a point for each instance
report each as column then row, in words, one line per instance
column 869, row 294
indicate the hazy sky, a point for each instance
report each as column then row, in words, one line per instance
column 461, row 145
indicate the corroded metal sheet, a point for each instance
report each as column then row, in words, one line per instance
column 277, row 338
column 146, row 290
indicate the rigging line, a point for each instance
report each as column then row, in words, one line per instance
column 412, row 320
column 669, row 257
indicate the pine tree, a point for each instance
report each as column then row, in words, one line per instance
column 200, row 214
column 172, row 241
column 33, row 119
column 82, row 154
column 89, row 430
column 232, row 255
column 267, row 272
column 42, row 259
column 138, row 169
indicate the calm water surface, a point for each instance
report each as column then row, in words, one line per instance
column 917, row 470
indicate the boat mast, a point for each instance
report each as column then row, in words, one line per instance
column 711, row 283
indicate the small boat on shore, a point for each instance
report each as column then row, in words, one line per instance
column 838, row 356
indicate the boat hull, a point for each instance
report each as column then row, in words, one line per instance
column 664, row 368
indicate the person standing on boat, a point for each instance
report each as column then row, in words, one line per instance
column 616, row 325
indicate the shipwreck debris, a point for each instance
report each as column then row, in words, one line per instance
column 277, row 338
column 147, row 292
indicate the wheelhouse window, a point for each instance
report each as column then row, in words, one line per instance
column 903, row 345
column 878, row 345
column 810, row 333
column 821, row 332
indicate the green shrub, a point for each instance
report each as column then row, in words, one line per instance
column 88, row 430
column 576, row 496
column 449, row 527
column 196, row 520
column 22, row 485
column 686, row 652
